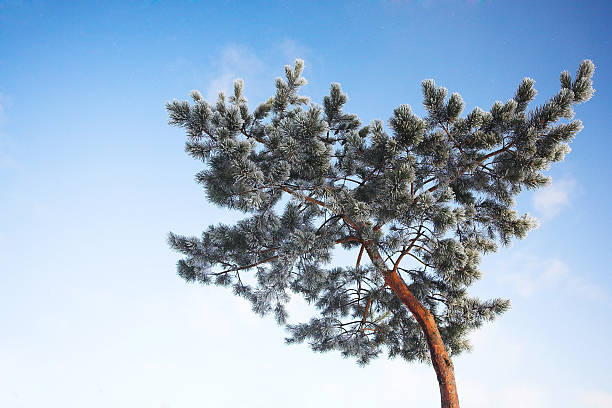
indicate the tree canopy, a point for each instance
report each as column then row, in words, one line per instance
column 424, row 198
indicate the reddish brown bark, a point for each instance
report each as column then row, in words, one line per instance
column 439, row 357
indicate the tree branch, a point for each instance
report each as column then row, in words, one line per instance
column 405, row 252
column 477, row 163
column 240, row 268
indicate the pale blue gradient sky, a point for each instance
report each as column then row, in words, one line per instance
column 92, row 179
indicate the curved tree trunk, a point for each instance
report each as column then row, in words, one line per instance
column 439, row 357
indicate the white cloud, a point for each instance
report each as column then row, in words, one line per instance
column 551, row 200
column 528, row 279
column 499, row 348
column 476, row 394
column 559, row 273
column 221, row 83
column 596, row 399
column 292, row 50
column 257, row 69
column 522, row 283
column 234, row 62
column 473, row 393
column 556, row 271
column 522, row 395
column 586, row 289
column 7, row 162
column 534, row 274
column 202, row 305
column 489, row 339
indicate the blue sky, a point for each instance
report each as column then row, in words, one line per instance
column 92, row 178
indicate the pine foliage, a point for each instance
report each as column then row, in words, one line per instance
column 432, row 194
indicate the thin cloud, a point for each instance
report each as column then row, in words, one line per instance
column 535, row 274
column 7, row 162
column 494, row 337
column 551, row 200
column 257, row 69
column 556, row 271
column 292, row 50
column 234, row 62
column 522, row 395
column 476, row 394
column 587, row 289
column 596, row 399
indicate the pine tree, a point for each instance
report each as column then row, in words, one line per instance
column 422, row 198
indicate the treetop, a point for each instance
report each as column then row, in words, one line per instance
column 429, row 194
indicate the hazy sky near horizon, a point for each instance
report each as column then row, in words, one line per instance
column 92, row 179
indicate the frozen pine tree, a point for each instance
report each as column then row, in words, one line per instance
column 419, row 201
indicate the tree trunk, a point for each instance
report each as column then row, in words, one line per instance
column 439, row 357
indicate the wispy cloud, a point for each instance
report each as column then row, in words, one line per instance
column 234, row 61
column 535, row 274
column 476, row 394
column 494, row 337
column 556, row 271
column 551, row 200
column 7, row 162
column 596, row 399
column 522, row 395
column 292, row 50
column 257, row 69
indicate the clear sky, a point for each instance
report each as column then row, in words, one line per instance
column 92, row 179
